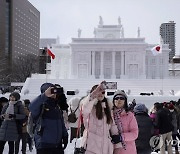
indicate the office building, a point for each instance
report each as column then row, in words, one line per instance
column 168, row 34
column 19, row 33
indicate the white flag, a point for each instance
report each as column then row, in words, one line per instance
column 157, row 50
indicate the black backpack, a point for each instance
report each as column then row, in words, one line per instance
column 72, row 116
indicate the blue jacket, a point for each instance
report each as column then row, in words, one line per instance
column 53, row 129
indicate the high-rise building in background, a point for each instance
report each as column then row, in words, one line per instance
column 168, row 34
column 19, row 34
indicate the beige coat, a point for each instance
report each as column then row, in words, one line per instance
column 73, row 104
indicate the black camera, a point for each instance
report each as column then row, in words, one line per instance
column 70, row 93
column 11, row 116
column 58, row 90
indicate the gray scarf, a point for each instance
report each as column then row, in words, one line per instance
column 10, row 109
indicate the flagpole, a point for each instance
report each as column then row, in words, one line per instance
column 46, row 61
column 162, row 76
column 162, row 79
column 161, row 44
column 52, row 55
column 156, row 50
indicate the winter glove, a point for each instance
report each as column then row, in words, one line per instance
column 65, row 142
column 8, row 116
column 12, row 116
column 2, row 117
column 116, row 139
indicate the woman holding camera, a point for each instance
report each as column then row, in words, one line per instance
column 98, row 122
column 126, row 123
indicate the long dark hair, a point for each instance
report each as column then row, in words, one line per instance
column 99, row 109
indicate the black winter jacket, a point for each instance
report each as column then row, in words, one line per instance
column 164, row 121
column 145, row 126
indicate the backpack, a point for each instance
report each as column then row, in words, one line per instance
column 34, row 125
column 72, row 116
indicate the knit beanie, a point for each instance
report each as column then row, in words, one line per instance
column 120, row 92
column 140, row 108
column 171, row 106
column 45, row 86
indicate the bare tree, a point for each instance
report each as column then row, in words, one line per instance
column 4, row 68
column 23, row 68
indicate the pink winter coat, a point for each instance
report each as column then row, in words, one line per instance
column 98, row 138
column 153, row 117
column 130, row 133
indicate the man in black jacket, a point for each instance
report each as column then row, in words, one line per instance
column 52, row 137
column 145, row 126
column 164, row 124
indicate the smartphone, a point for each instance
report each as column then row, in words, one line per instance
column 111, row 85
column 57, row 90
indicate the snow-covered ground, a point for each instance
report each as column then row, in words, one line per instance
column 69, row 149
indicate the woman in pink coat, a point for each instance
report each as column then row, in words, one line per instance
column 126, row 123
column 98, row 122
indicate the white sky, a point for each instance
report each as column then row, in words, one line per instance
column 63, row 17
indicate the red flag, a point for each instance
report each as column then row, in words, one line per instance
column 50, row 53
column 156, row 50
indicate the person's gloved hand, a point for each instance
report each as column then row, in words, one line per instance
column 116, row 139
column 65, row 142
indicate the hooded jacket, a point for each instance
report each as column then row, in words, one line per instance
column 53, row 130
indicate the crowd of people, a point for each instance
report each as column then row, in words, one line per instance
column 105, row 126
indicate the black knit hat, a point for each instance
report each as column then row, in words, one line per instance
column 16, row 95
column 45, row 86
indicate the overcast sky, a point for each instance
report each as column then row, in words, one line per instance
column 63, row 17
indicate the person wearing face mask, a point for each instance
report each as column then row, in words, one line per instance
column 11, row 114
column 52, row 137
column 174, row 123
column 126, row 123
column 98, row 122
